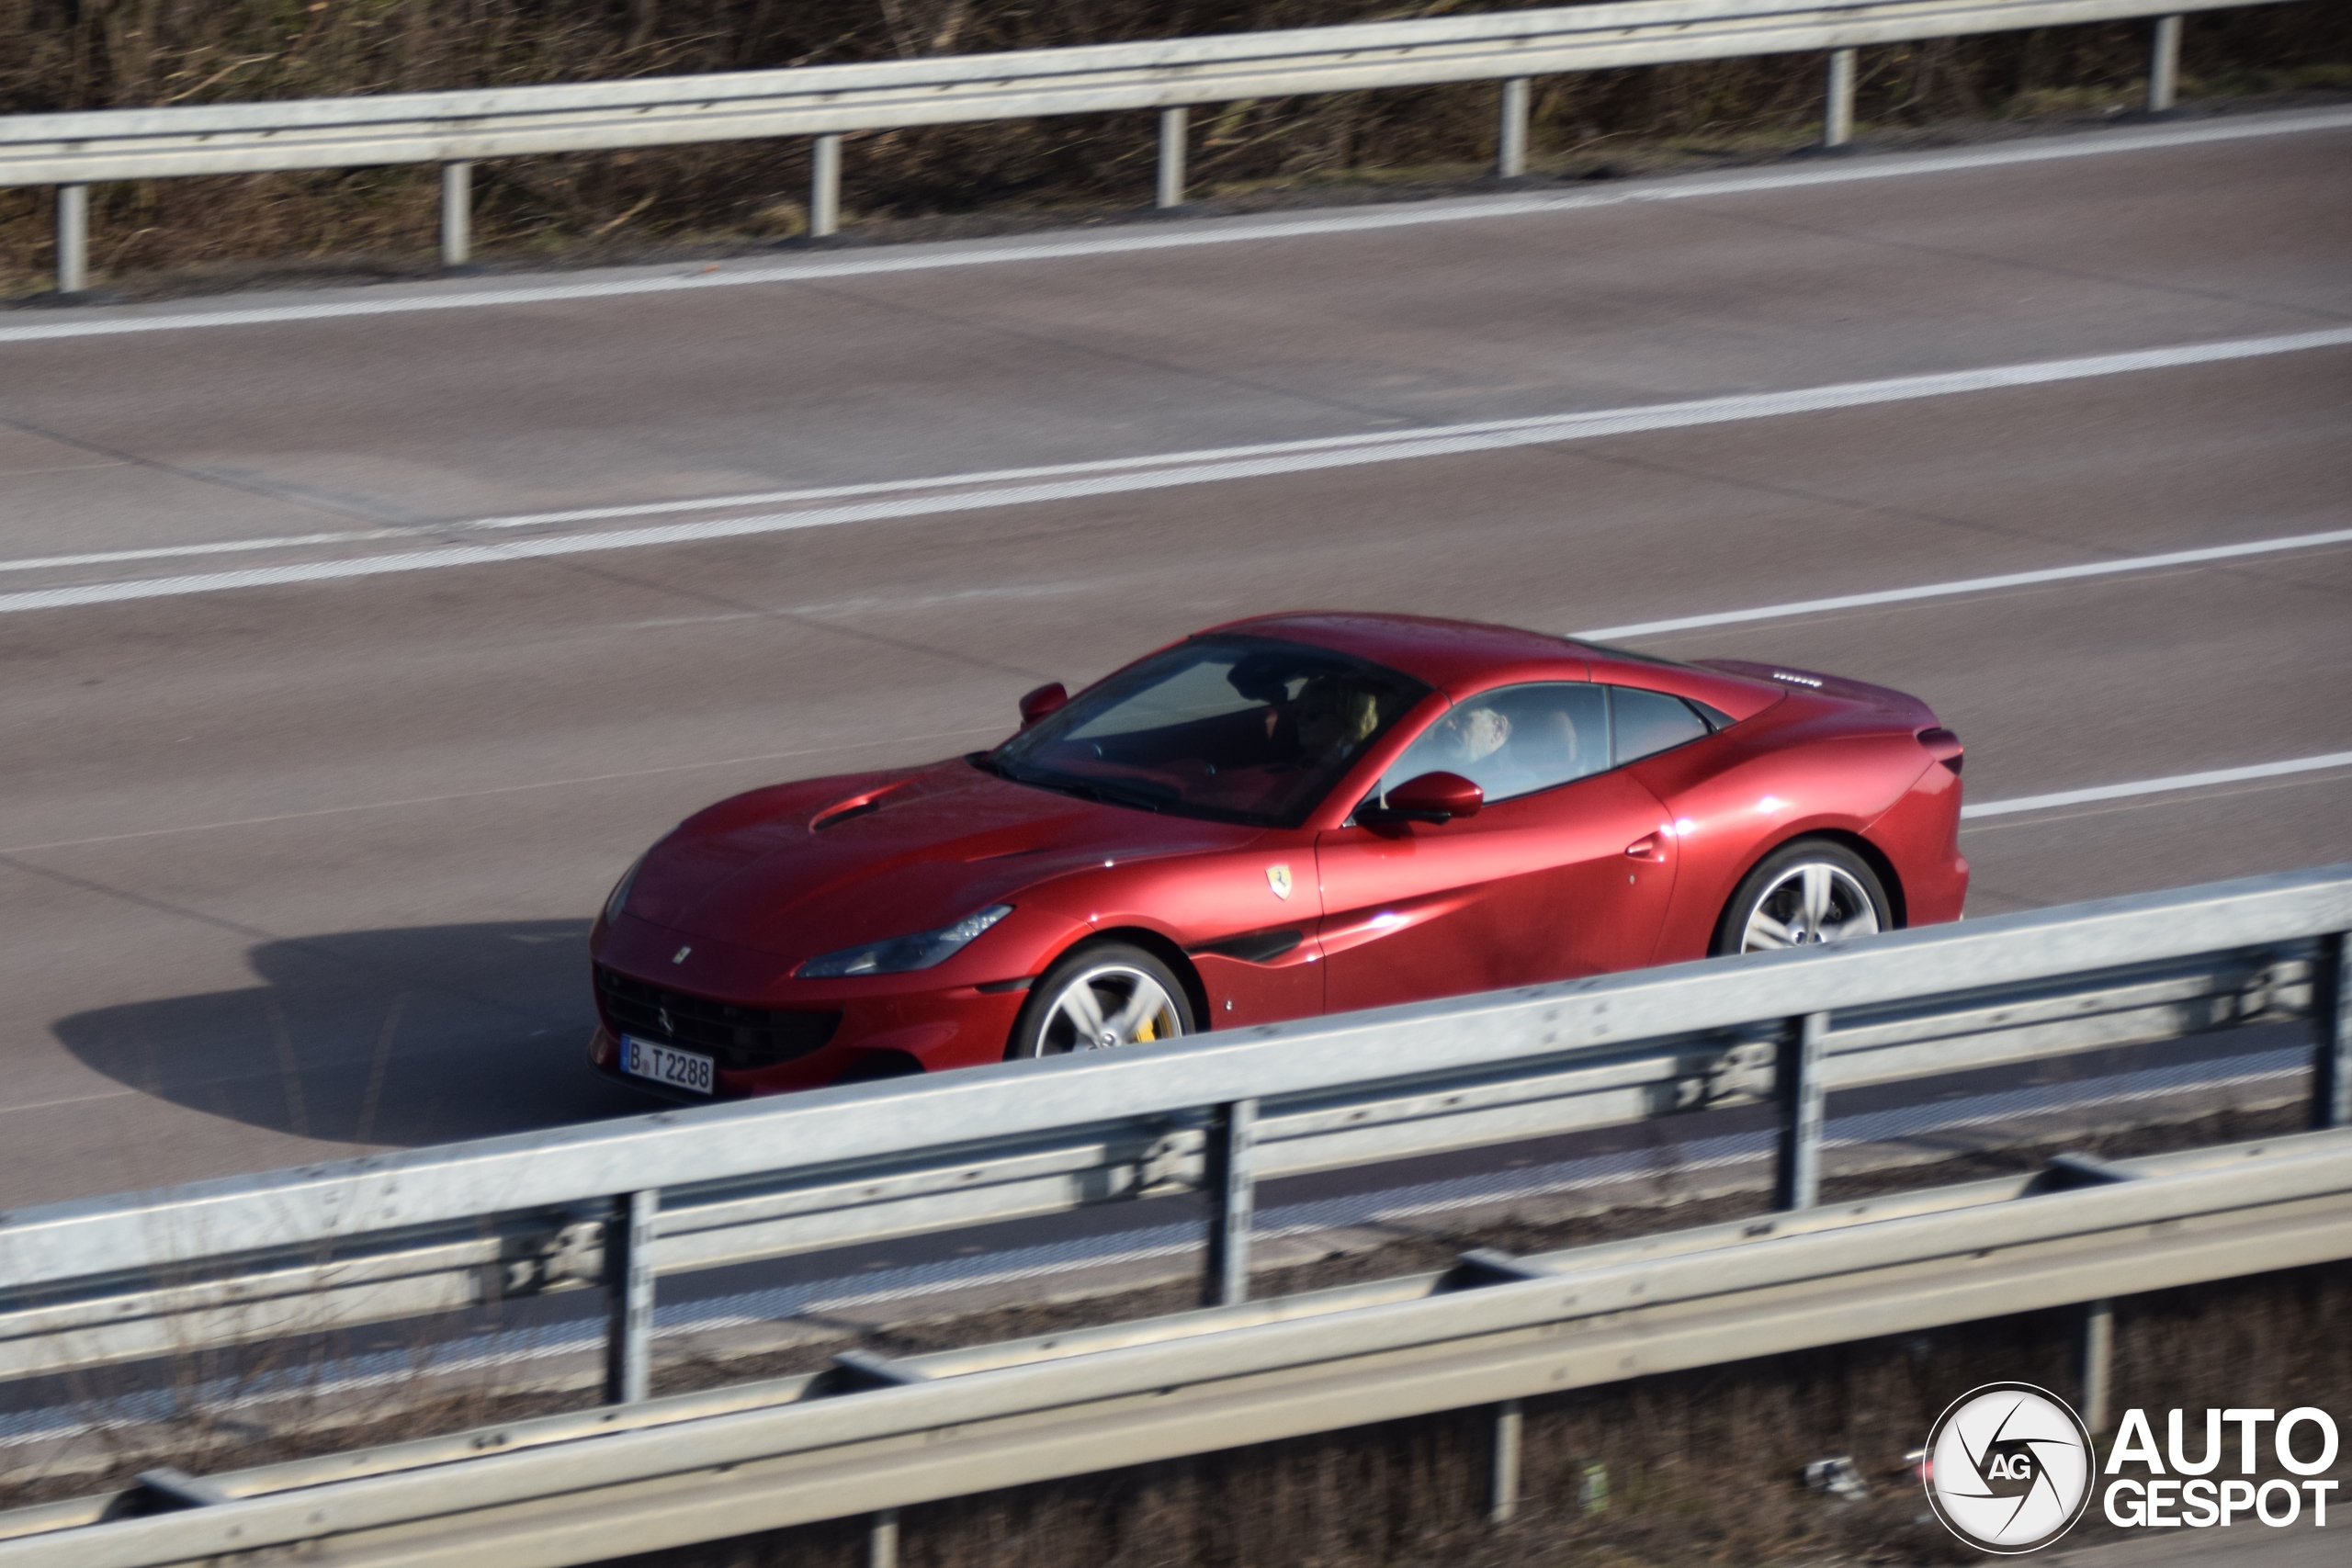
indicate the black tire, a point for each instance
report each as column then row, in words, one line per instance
column 1778, row 889
column 1114, row 973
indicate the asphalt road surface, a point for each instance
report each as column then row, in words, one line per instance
column 326, row 718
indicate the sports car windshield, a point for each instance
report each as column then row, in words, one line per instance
column 1240, row 730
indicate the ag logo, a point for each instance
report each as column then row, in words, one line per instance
column 1278, row 878
column 2008, row 1468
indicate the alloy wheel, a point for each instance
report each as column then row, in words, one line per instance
column 1814, row 901
column 1106, row 1006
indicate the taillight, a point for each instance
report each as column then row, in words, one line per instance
column 1943, row 745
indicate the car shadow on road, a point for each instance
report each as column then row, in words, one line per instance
column 378, row 1037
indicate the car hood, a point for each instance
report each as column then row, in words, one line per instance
column 805, row 868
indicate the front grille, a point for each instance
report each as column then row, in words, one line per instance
column 740, row 1037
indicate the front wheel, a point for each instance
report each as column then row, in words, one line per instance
column 1097, row 999
column 1808, row 892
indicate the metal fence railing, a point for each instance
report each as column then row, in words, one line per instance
column 456, row 128
column 872, row 1434
column 620, row 1204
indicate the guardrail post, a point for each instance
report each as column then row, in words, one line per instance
column 629, row 1296
column 1838, row 105
column 1797, row 1179
column 2163, row 64
column 2098, row 1362
column 457, row 214
column 2332, row 1022
column 1172, row 123
column 882, row 1541
column 825, row 186
column 1510, row 132
column 1504, row 1506
column 1232, row 1191
column 72, row 239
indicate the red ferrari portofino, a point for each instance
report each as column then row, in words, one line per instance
column 1282, row 816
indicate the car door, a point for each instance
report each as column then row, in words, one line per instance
column 1566, row 872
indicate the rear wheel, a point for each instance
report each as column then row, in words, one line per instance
column 1808, row 892
column 1099, row 997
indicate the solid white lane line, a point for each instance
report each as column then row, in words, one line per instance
column 2156, row 786
column 227, row 546
column 987, row 475
column 1186, row 469
column 69, row 1099
column 1980, row 584
column 1212, row 231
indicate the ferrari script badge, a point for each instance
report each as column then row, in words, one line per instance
column 1278, row 878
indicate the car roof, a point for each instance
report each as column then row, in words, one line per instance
column 1444, row 654
column 1460, row 657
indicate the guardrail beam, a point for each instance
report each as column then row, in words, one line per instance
column 519, row 121
column 1050, row 1410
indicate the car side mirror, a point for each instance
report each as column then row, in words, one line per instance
column 1045, row 699
column 1435, row 798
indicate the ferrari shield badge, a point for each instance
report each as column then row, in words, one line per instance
column 1278, row 878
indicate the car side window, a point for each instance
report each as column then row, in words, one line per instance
column 1515, row 740
column 1643, row 722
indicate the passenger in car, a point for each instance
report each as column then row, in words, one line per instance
column 1468, row 736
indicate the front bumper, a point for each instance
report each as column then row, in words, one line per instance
column 879, row 1035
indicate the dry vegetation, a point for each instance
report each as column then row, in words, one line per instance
column 64, row 54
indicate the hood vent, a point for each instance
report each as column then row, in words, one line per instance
column 840, row 814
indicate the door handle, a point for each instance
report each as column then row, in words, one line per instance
column 1646, row 848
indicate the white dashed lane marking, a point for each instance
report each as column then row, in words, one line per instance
column 463, row 545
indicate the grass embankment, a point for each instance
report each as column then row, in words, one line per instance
column 71, row 54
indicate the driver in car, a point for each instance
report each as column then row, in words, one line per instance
column 1333, row 719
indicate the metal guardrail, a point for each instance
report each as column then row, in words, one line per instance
column 872, row 1434
column 455, row 129
column 621, row 1203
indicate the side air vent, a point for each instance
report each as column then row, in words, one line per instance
column 1255, row 947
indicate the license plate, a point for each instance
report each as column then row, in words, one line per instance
column 667, row 1064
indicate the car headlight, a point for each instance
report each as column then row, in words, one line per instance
column 899, row 953
column 617, row 899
